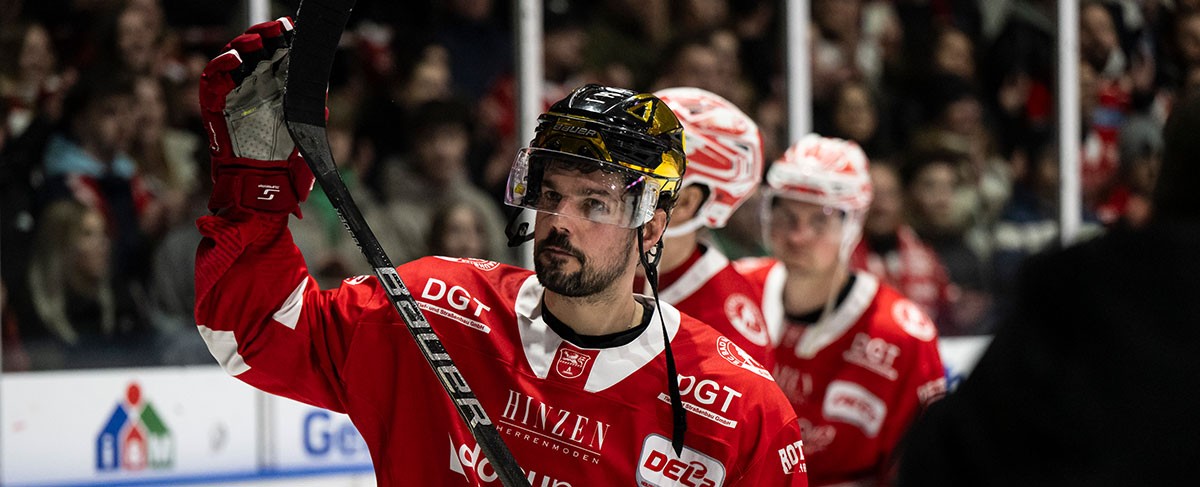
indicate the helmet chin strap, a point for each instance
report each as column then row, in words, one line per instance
column 649, row 262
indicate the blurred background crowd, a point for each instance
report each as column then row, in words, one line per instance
column 104, row 166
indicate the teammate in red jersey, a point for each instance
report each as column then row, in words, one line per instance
column 724, row 166
column 568, row 363
column 856, row 359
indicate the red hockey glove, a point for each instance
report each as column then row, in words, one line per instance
column 255, row 164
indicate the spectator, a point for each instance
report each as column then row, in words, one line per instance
column 855, row 40
column 891, row 250
column 30, row 83
column 89, row 162
column 954, row 54
column 81, row 320
column 165, row 156
column 31, row 89
column 856, row 115
column 1018, row 78
column 434, row 173
column 423, row 79
column 1141, row 146
column 931, row 181
column 459, row 230
column 1029, row 222
column 478, row 45
column 691, row 61
column 330, row 251
column 136, row 39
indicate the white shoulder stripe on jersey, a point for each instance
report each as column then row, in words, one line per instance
column 537, row 339
column 223, row 347
column 772, row 302
column 289, row 312
column 830, row 328
column 695, row 277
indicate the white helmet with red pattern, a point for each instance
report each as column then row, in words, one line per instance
column 724, row 154
column 824, row 171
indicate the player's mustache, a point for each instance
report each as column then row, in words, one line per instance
column 560, row 240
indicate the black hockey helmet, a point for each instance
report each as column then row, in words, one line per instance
column 632, row 138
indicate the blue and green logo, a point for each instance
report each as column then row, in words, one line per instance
column 135, row 437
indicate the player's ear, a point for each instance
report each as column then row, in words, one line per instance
column 654, row 228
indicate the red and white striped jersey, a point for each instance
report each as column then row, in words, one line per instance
column 572, row 416
column 857, row 378
column 706, row 287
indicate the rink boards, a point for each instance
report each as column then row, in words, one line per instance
column 194, row 425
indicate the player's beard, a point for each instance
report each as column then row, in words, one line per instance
column 590, row 279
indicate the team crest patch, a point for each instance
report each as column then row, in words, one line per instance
column 913, row 320
column 570, row 363
column 747, row 319
column 736, row 356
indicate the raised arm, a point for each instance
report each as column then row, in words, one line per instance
column 259, row 311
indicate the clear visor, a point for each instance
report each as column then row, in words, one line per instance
column 813, row 217
column 581, row 187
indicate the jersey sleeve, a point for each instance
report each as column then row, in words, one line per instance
column 924, row 382
column 777, row 462
column 264, row 318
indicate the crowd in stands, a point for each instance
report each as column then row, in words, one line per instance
column 104, row 166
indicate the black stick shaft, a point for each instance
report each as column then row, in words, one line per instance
column 317, row 33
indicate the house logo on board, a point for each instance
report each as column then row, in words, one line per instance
column 135, row 437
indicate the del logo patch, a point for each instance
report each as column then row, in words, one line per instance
column 658, row 466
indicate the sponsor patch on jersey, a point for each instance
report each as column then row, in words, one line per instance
column 736, row 356
column 816, row 437
column 852, row 403
column 913, row 320
column 791, row 458
column 747, row 319
column 571, row 363
column 931, row 391
column 658, row 466
column 481, row 264
column 873, row 354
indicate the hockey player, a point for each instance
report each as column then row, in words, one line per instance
column 725, row 164
column 570, row 366
column 856, row 359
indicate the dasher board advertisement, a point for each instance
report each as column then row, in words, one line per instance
column 126, row 426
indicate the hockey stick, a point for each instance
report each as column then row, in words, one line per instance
column 319, row 25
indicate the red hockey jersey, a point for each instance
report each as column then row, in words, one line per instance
column 571, row 416
column 707, row 288
column 857, row 378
